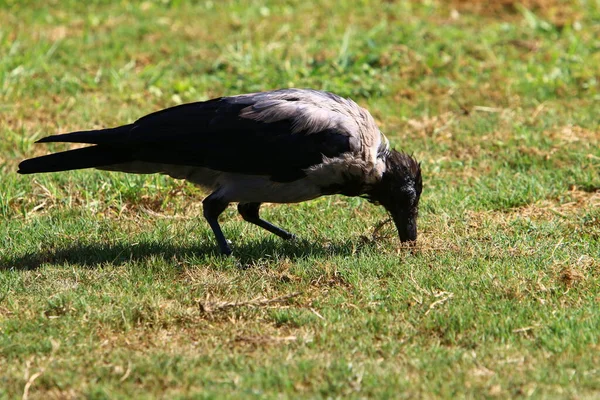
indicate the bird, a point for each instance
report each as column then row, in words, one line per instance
column 279, row 146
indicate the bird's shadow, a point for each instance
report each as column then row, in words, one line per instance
column 98, row 254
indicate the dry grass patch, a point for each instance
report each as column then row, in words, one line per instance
column 571, row 276
column 577, row 202
column 557, row 11
column 574, row 202
column 576, row 273
column 573, row 134
column 211, row 306
column 433, row 126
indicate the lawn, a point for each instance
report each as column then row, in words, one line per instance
column 111, row 285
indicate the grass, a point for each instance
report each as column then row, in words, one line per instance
column 110, row 285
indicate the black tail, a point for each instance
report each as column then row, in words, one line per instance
column 88, row 157
column 110, row 150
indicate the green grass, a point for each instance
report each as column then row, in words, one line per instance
column 107, row 281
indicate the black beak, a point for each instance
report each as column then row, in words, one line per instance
column 406, row 225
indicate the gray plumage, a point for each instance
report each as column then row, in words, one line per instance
column 282, row 146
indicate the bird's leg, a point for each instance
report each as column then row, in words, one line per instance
column 249, row 211
column 212, row 208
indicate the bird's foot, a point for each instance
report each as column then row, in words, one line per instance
column 225, row 249
column 289, row 236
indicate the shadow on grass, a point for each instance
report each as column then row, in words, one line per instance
column 97, row 254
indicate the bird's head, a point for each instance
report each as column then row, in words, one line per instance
column 399, row 191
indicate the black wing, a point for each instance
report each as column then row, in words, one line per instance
column 278, row 133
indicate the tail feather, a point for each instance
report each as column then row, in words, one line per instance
column 88, row 157
column 100, row 136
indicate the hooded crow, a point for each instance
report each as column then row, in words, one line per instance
column 280, row 146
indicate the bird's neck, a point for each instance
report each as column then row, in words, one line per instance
column 357, row 178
